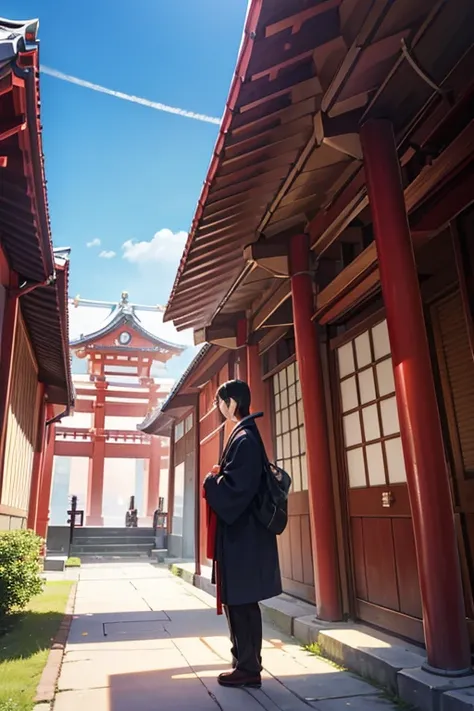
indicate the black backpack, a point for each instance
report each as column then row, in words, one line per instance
column 270, row 506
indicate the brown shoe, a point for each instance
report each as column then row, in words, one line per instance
column 239, row 679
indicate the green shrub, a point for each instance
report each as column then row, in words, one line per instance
column 9, row 705
column 20, row 578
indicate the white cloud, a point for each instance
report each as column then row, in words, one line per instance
column 94, row 243
column 166, row 246
column 107, row 254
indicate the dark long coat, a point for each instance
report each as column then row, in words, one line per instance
column 246, row 552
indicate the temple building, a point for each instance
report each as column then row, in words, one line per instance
column 99, row 456
column 331, row 264
column 35, row 374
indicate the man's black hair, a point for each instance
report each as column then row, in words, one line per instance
column 236, row 390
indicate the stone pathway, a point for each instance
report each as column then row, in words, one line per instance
column 144, row 640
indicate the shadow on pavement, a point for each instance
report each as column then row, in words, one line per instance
column 196, row 689
column 173, row 689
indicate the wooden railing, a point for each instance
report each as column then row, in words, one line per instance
column 88, row 435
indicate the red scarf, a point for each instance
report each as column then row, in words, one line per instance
column 211, row 521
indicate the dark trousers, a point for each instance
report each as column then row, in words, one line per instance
column 245, row 627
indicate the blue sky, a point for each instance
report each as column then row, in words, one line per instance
column 118, row 172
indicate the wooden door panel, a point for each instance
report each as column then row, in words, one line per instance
column 308, row 572
column 359, row 558
column 407, row 567
column 380, row 563
column 298, row 504
column 385, row 575
column 368, row 502
column 294, row 545
column 284, row 550
column 294, row 526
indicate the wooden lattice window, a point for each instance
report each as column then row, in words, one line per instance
column 289, row 426
column 371, row 429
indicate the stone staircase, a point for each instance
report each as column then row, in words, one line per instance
column 113, row 542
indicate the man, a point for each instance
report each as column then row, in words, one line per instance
column 245, row 552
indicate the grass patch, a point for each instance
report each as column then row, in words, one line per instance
column 25, row 645
column 317, row 651
column 73, row 563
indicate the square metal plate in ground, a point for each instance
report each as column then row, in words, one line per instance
column 146, row 629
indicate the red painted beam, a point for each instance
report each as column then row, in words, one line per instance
column 127, row 451
column 6, row 84
column 444, row 204
column 122, row 394
column 67, row 448
column 126, row 409
column 321, row 229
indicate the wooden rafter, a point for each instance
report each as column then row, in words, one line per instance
column 297, row 20
column 10, row 128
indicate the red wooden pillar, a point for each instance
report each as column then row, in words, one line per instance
column 169, row 522
column 320, row 491
column 444, row 620
column 260, row 396
column 37, row 458
column 241, row 360
column 154, row 470
column 95, row 493
column 197, row 489
column 44, row 498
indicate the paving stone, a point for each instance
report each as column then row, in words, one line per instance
column 358, row 703
column 274, row 695
column 458, row 700
column 424, row 690
column 332, row 684
column 135, row 630
column 148, row 662
column 371, row 654
column 140, row 694
column 101, row 668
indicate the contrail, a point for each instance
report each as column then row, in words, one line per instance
column 128, row 97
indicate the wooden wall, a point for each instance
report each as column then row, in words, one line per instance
column 211, row 440
column 21, row 423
